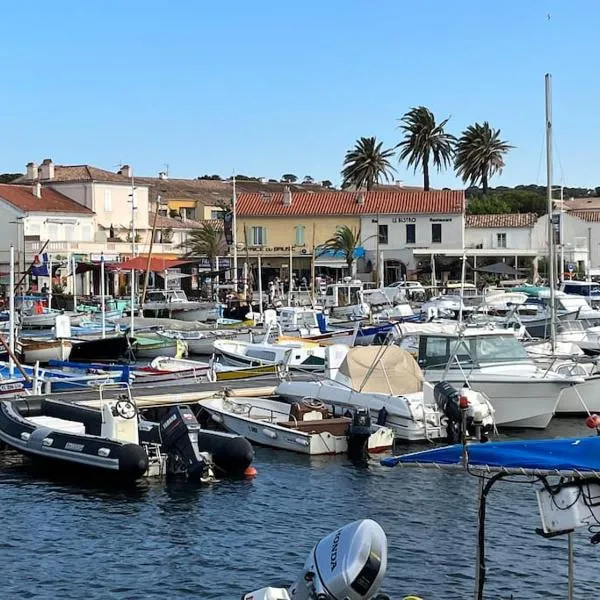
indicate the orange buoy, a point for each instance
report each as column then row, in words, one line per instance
column 38, row 308
column 593, row 421
column 250, row 472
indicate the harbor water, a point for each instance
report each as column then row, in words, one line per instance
column 67, row 540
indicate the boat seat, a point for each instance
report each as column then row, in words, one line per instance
column 336, row 426
column 58, row 424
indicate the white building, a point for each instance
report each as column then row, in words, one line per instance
column 511, row 231
column 410, row 222
column 33, row 214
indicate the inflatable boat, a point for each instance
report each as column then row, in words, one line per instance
column 115, row 441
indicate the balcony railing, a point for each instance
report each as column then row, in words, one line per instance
column 68, row 247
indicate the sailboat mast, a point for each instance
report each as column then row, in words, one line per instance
column 551, row 257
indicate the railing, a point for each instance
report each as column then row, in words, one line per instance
column 67, row 247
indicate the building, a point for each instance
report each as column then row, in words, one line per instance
column 292, row 226
column 30, row 215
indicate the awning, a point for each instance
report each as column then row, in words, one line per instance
column 500, row 269
column 140, row 263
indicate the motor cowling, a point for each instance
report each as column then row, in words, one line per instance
column 348, row 564
column 179, row 433
column 358, row 433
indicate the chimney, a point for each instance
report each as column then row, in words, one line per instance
column 37, row 189
column 47, row 169
column 32, row 171
column 360, row 199
column 287, row 196
column 163, row 175
column 125, row 170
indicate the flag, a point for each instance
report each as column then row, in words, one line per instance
column 39, row 268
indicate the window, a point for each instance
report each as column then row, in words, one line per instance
column 299, row 232
column 258, row 236
column 215, row 215
column 436, row 233
column 69, row 232
column 86, row 233
column 107, row 201
column 34, row 229
column 52, row 232
column 501, row 240
column 411, row 233
column 382, row 231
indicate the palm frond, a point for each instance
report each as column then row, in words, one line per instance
column 344, row 240
column 367, row 164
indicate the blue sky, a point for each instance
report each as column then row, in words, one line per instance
column 274, row 86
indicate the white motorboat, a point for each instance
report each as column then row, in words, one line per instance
column 306, row 427
column 491, row 361
column 389, row 383
column 293, row 354
column 202, row 342
column 175, row 305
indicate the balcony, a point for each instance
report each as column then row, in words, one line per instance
column 96, row 248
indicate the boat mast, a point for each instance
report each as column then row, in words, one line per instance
column 551, row 257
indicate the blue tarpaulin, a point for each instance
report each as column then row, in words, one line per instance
column 570, row 454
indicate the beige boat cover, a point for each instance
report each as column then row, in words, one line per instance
column 388, row 370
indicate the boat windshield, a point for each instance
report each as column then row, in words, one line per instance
column 471, row 352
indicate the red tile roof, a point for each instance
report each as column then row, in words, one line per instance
column 63, row 173
column 591, row 216
column 501, row 220
column 23, row 197
column 347, row 203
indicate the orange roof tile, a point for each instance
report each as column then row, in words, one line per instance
column 22, row 197
column 501, row 220
column 348, row 203
column 591, row 216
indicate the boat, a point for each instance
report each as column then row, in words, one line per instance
column 202, row 342
column 114, row 441
column 43, row 351
column 112, row 347
column 491, row 361
column 293, row 354
column 306, row 427
column 151, row 345
column 349, row 563
column 174, row 304
column 390, row 384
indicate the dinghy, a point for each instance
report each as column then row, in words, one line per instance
column 43, row 351
column 303, row 427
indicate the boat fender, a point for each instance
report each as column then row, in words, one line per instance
column 231, row 454
column 133, row 460
column 125, row 409
column 382, row 416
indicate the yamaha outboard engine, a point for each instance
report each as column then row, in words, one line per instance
column 179, row 433
column 462, row 417
column 348, row 564
column 358, row 434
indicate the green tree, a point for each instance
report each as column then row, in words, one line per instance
column 166, row 235
column 289, row 178
column 425, row 141
column 366, row 164
column 326, row 183
column 8, row 177
column 344, row 240
column 208, row 240
column 480, row 154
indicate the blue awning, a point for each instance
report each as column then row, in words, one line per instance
column 571, row 454
column 359, row 252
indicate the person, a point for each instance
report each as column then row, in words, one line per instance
column 44, row 289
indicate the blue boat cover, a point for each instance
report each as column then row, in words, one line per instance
column 569, row 454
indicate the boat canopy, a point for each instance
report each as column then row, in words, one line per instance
column 448, row 328
column 570, row 455
column 387, row 370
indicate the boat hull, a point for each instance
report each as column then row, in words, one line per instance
column 44, row 351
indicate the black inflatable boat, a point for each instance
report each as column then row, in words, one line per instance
column 116, row 442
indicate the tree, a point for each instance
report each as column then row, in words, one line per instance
column 425, row 140
column 308, row 179
column 480, row 154
column 289, row 178
column 208, row 240
column 346, row 241
column 8, row 177
column 326, row 183
column 366, row 164
column 166, row 235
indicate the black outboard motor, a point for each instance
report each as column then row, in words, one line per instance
column 459, row 415
column 358, row 434
column 179, row 433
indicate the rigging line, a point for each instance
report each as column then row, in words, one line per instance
column 560, row 166
column 541, row 155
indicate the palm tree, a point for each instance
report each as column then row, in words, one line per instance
column 208, row 240
column 480, row 154
column 425, row 140
column 344, row 240
column 367, row 163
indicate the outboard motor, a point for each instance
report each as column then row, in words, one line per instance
column 179, row 433
column 462, row 417
column 348, row 564
column 358, row 434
